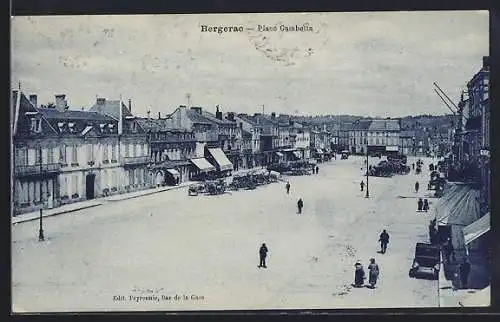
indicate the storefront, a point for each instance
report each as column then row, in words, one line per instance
column 218, row 159
column 201, row 169
column 292, row 154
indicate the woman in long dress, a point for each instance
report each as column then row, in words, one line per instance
column 374, row 271
column 359, row 275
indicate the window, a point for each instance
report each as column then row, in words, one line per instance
column 74, row 154
column 62, row 154
column 114, row 148
column 89, row 152
column 131, row 177
column 50, row 155
column 22, row 156
column 75, row 183
column 105, row 152
column 38, row 155
column 36, row 125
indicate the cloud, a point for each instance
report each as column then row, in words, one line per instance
column 363, row 63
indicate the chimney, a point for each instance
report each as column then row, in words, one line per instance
column 61, row 104
column 273, row 115
column 33, row 100
column 230, row 116
column 101, row 101
column 486, row 61
column 159, row 115
column 130, row 105
column 218, row 113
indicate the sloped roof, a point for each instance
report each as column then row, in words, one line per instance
column 247, row 118
column 158, row 125
column 384, row 125
column 195, row 117
column 112, row 108
column 211, row 117
column 52, row 113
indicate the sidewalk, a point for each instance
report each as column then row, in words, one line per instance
column 449, row 296
column 35, row 215
column 92, row 203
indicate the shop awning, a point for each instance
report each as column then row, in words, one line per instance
column 319, row 151
column 458, row 206
column 221, row 159
column 479, row 298
column 297, row 154
column 279, row 154
column 202, row 164
column 393, row 148
column 476, row 229
column 174, row 172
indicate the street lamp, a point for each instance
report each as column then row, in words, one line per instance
column 40, row 233
column 367, row 193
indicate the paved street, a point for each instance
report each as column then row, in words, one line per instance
column 207, row 246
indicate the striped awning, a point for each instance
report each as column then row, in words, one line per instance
column 279, row 154
column 221, row 159
column 476, row 229
column 174, row 172
column 202, row 164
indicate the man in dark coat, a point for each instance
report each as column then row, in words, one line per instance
column 464, row 273
column 317, row 169
column 362, row 185
column 384, row 240
column 300, row 204
column 287, row 186
column 263, row 254
column 417, row 185
column 420, row 204
column 426, row 205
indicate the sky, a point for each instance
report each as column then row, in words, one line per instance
column 379, row 64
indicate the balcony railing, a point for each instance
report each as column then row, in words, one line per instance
column 206, row 136
column 37, row 169
column 136, row 160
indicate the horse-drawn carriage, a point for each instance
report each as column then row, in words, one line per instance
column 383, row 169
column 212, row 187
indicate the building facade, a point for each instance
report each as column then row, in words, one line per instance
column 60, row 155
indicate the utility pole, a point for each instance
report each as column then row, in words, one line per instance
column 263, row 109
column 40, row 233
column 367, row 193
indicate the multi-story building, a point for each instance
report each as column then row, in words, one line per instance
column 383, row 136
column 301, row 140
column 343, row 136
column 60, row 155
column 250, row 124
column 171, row 149
column 407, row 145
column 358, row 136
column 212, row 135
column 133, row 148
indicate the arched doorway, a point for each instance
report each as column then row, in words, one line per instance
column 159, row 178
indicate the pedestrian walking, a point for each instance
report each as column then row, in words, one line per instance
column 449, row 251
column 420, row 204
column 287, row 186
column 359, row 275
column 373, row 273
column 262, row 255
column 317, row 169
column 426, row 205
column 362, row 185
column 413, row 166
column 464, row 273
column 417, row 185
column 384, row 240
column 300, row 204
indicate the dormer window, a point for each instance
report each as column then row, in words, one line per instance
column 36, row 125
column 60, row 125
column 111, row 126
column 101, row 126
column 71, row 127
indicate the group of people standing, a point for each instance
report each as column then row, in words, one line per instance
column 373, row 268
